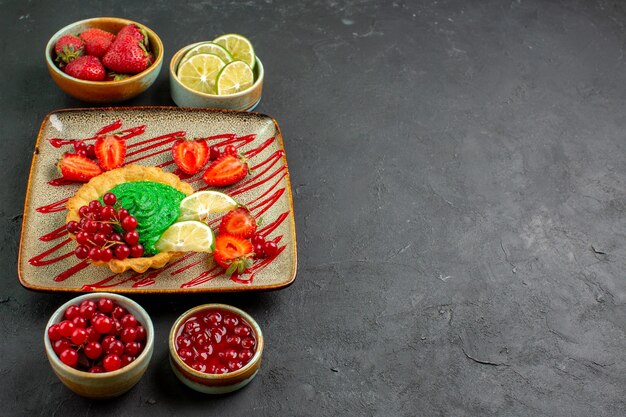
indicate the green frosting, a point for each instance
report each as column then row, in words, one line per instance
column 155, row 206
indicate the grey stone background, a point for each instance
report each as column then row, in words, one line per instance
column 459, row 179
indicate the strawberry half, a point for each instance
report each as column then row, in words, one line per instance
column 238, row 222
column 190, row 155
column 76, row 167
column 226, row 170
column 110, row 151
column 233, row 253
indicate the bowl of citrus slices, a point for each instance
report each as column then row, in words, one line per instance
column 224, row 73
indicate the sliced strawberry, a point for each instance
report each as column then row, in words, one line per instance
column 110, row 151
column 190, row 155
column 238, row 222
column 226, row 170
column 233, row 253
column 76, row 167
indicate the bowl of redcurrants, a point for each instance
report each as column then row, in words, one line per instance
column 215, row 348
column 100, row 344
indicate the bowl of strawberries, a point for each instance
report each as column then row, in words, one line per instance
column 104, row 59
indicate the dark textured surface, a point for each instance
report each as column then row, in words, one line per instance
column 454, row 165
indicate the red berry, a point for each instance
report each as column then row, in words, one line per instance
column 79, row 322
column 242, row 330
column 66, row 328
column 141, row 334
column 92, row 334
column 81, row 252
column 82, row 152
column 257, row 248
column 91, row 151
column 109, row 199
column 53, row 333
column 136, row 251
column 91, row 226
column 122, row 252
column 99, row 239
column 119, row 312
column 270, row 248
column 230, row 150
column 60, row 345
column 93, row 350
column 128, row 321
column 79, row 336
column 83, row 238
column 105, row 305
column 79, row 145
column 257, row 238
column 116, row 237
column 116, row 347
column 94, row 253
column 122, row 214
column 132, row 348
column 214, row 153
column 103, row 324
column 72, row 312
column 129, row 223
column 84, row 212
column 107, row 213
column 111, row 362
column 128, row 334
column 69, row 357
column 94, row 205
column 72, row 227
column 107, row 340
column 131, row 237
column 127, row 360
column 96, row 369
column 87, row 310
column 106, row 255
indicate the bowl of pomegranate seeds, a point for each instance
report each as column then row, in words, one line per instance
column 104, row 59
column 100, row 344
column 215, row 348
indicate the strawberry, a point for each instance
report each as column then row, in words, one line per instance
column 190, row 155
column 129, row 51
column 68, row 48
column 226, row 170
column 134, row 32
column 76, row 167
column 97, row 41
column 238, row 222
column 110, row 151
column 86, row 67
column 233, row 253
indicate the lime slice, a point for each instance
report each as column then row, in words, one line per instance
column 187, row 236
column 239, row 47
column 200, row 72
column 234, row 77
column 199, row 205
column 208, row 48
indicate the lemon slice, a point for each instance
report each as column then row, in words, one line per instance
column 239, row 47
column 234, row 77
column 200, row 72
column 208, row 48
column 187, row 236
column 199, row 205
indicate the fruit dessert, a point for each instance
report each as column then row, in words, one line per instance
column 215, row 342
column 98, row 55
column 223, row 66
column 97, row 336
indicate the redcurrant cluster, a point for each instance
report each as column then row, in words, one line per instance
column 83, row 149
column 96, row 235
column 97, row 337
column 263, row 248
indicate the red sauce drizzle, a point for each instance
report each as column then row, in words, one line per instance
column 55, row 234
column 39, row 259
column 110, row 128
column 71, row 271
column 53, row 207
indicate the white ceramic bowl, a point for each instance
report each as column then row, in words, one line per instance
column 106, row 384
column 183, row 96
